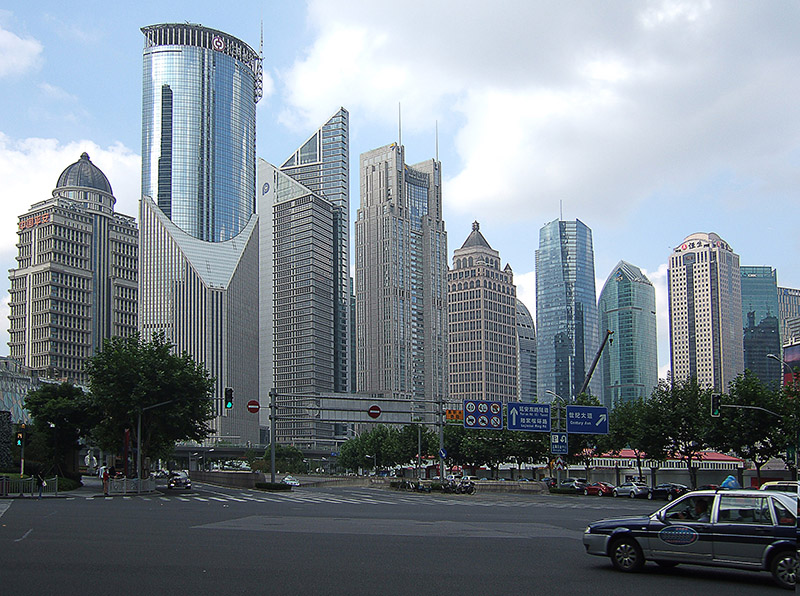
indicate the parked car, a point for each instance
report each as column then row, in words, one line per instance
column 179, row 481
column 550, row 482
column 742, row 529
column 291, row 481
column 668, row 491
column 600, row 489
column 634, row 490
column 787, row 486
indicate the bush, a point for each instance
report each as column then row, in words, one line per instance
column 277, row 486
column 563, row 491
column 67, row 484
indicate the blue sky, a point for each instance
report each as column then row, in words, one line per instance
column 648, row 121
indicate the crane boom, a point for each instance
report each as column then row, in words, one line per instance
column 594, row 362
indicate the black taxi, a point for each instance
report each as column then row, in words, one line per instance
column 744, row 529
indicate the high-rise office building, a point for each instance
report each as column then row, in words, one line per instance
column 629, row 363
column 566, row 310
column 526, row 354
column 75, row 284
column 321, row 164
column 761, row 325
column 481, row 304
column 705, row 311
column 789, row 314
column 401, row 280
column 297, row 293
column 199, row 249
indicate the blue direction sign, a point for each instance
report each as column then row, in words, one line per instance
column 558, row 444
column 587, row 420
column 483, row 414
column 529, row 417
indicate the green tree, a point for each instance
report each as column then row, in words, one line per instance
column 59, row 420
column 584, row 448
column 288, row 459
column 131, row 374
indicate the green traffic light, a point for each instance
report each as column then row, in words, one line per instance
column 228, row 398
column 715, row 404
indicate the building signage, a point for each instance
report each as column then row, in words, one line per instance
column 31, row 222
column 528, row 417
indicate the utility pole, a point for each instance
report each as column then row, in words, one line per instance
column 273, row 393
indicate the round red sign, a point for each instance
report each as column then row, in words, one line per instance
column 253, row 406
column 374, row 411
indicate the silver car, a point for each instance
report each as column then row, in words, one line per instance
column 743, row 529
column 634, row 490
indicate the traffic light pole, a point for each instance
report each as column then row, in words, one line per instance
column 22, row 454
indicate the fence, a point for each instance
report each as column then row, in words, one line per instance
column 127, row 486
column 17, row 487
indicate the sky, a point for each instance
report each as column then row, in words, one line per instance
column 646, row 120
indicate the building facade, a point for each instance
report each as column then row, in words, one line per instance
column 526, row 354
column 199, row 249
column 482, row 323
column 297, row 259
column 75, row 284
column 761, row 325
column 322, row 165
column 705, row 311
column 566, row 310
column 789, row 314
column 401, row 281
column 629, row 363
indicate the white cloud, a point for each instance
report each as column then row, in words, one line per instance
column 526, row 290
column 18, row 55
column 57, row 93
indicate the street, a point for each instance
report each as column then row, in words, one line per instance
column 332, row 540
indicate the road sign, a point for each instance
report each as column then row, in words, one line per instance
column 528, row 417
column 483, row 414
column 443, row 453
column 587, row 420
column 374, row 411
column 454, row 415
column 559, row 465
column 558, row 444
column 253, row 406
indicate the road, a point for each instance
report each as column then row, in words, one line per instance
column 335, row 540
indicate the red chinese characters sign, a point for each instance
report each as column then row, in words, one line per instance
column 30, row 222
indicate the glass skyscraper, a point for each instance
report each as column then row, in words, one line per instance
column 629, row 363
column 199, row 249
column 761, row 324
column 566, row 310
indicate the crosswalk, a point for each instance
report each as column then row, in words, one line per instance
column 361, row 497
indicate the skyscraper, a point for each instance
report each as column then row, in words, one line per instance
column 482, row 346
column 789, row 309
column 199, row 250
column 705, row 311
column 75, row 284
column 401, row 275
column 526, row 354
column 297, row 258
column 321, row 164
column 629, row 363
column 761, row 324
column 566, row 310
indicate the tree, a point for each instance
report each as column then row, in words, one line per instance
column 131, row 374
column 584, row 448
column 59, row 420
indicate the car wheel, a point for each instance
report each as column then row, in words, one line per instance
column 599, row 492
column 784, row 569
column 670, row 496
column 667, row 564
column 632, row 495
column 626, row 555
column 585, row 492
column 615, row 493
column 650, row 496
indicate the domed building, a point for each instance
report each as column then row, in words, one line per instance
column 76, row 278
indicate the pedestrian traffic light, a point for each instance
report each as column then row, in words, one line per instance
column 228, row 398
column 19, row 439
column 715, row 399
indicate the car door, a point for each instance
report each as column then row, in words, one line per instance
column 744, row 529
column 680, row 533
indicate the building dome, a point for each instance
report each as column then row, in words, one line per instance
column 83, row 173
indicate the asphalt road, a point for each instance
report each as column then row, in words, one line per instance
column 336, row 541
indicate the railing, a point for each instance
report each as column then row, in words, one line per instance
column 128, row 486
column 18, row 487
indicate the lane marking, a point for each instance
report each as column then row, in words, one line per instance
column 4, row 505
column 24, row 536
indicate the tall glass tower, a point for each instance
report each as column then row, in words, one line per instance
column 761, row 324
column 199, row 240
column 629, row 364
column 566, row 310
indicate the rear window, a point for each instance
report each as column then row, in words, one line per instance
column 783, row 515
column 744, row 510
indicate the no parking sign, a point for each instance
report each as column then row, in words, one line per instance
column 483, row 414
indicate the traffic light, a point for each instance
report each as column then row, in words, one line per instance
column 715, row 399
column 19, row 439
column 228, row 398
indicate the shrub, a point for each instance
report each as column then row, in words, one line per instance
column 67, row 484
column 563, row 491
column 277, row 486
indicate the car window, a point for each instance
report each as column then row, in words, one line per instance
column 783, row 515
column 691, row 509
column 744, row 510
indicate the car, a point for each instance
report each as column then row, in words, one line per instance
column 549, row 481
column 667, row 490
column 634, row 490
column 788, row 486
column 599, row 489
column 179, row 481
column 291, row 481
column 736, row 528
column 574, row 483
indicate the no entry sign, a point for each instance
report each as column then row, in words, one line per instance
column 253, row 406
column 374, row 411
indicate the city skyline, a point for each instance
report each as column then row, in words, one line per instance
column 601, row 113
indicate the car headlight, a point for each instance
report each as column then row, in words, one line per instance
column 588, row 530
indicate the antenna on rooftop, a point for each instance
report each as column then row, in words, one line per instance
column 399, row 126
column 437, row 140
column 560, row 209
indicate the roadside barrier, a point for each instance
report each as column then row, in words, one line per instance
column 19, row 487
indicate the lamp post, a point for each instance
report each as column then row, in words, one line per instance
column 559, row 401
column 797, row 438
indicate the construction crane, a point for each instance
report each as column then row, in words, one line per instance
column 588, row 378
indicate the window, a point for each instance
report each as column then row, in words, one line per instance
column 744, row 510
column 783, row 515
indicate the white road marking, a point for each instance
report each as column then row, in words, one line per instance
column 24, row 536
